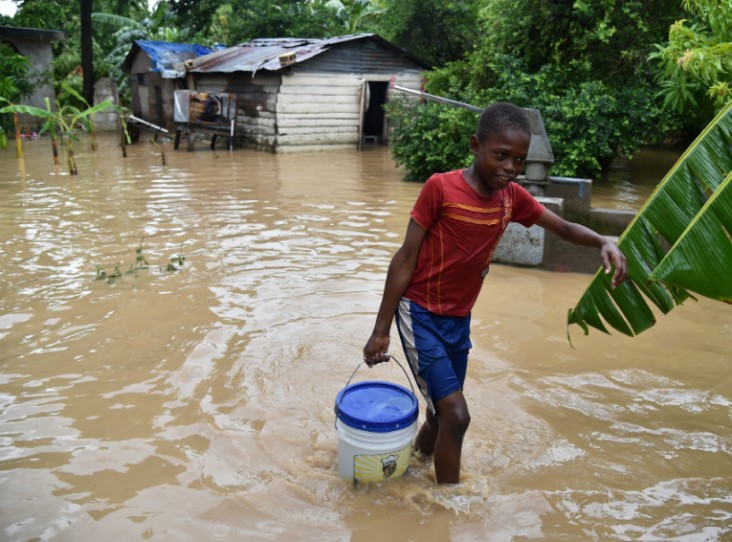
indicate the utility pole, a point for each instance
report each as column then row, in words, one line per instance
column 87, row 51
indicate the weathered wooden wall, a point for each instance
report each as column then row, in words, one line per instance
column 318, row 109
column 320, row 102
column 152, row 95
column 313, row 105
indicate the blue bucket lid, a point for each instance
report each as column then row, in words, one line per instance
column 376, row 406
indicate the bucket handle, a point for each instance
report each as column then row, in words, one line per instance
column 338, row 409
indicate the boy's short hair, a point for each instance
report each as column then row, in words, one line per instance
column 501, row 116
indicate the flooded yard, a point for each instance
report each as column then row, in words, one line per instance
column 193, row 400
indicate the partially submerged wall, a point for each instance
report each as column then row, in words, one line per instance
column 570, row 199
column 35, row 44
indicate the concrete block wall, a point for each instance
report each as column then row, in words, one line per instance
column 527, row 247
column 536, row 248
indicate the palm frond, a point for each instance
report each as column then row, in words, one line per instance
column 669, row 242
column 28, row 110
column 706, row 242
column 117, row 21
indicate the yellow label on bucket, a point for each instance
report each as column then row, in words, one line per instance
column 379, row 467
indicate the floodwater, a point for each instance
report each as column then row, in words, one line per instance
column 628, row 183
column 196, row 403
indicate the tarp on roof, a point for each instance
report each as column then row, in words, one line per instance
column 264, row 53
column 167, row 58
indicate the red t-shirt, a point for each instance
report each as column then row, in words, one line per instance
column 463, row 230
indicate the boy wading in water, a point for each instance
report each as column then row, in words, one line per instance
column 434, row 278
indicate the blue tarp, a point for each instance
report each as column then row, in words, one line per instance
column 166, row 57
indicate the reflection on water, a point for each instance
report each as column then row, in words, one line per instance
column 197, row 404
column 629, row 182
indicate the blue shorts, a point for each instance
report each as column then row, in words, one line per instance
column 436, row 348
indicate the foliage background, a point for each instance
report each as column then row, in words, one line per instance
column 608, row 76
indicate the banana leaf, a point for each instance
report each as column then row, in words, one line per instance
column 679, row 242
column 706, row 242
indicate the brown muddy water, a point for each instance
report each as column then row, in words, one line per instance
column 197, row 404
column 628, row 183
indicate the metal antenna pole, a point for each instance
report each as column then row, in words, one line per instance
column 439, row 99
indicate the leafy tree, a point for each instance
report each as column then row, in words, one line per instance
column 595, row 105
column 614, row 35
column 48, row 15
column 196, row 14
column 15, row 77
column 134, row 9
column 354, row 15
column 15, row 84
column 437, row 31
column 603, row 101
column 159, row 25
column 220, row 30
column 695, row 65
column 589, row 121
column 236, row 21
column 286, row 18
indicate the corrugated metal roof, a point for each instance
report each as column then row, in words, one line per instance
column 265, row 53
column 166, row 57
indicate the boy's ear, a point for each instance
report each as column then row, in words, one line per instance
column 474, row 144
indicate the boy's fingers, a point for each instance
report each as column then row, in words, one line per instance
column 606, row 263
column 376, row 358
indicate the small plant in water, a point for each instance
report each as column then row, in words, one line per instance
column 109, row 277
column 140, row 264
column 140, row 261
column 176, row 262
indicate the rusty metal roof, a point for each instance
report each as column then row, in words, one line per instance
column 265, row 53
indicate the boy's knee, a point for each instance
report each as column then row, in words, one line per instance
column 464, row 421
column 456, row 420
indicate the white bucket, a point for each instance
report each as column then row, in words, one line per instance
column 376, row 423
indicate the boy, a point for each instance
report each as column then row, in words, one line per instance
column 434, row 278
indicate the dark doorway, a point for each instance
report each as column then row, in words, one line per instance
column 373, row 122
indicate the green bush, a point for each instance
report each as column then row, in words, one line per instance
column 588, row 122
column 429, row 138
column 587, row 72
column 15, row 84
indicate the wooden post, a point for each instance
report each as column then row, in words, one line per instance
column 18, row 137
column 361, row 113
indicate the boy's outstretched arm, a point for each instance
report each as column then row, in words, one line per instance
column 398, row 276
column 581, row 235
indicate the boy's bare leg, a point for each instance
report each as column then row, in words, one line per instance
column 454, row 420
column 425, row 441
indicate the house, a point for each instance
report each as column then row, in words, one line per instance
column 35, row 44
column 155, row 72
column 296, row 94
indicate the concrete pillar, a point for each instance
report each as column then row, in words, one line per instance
column 108, row 120
column 521, row 246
